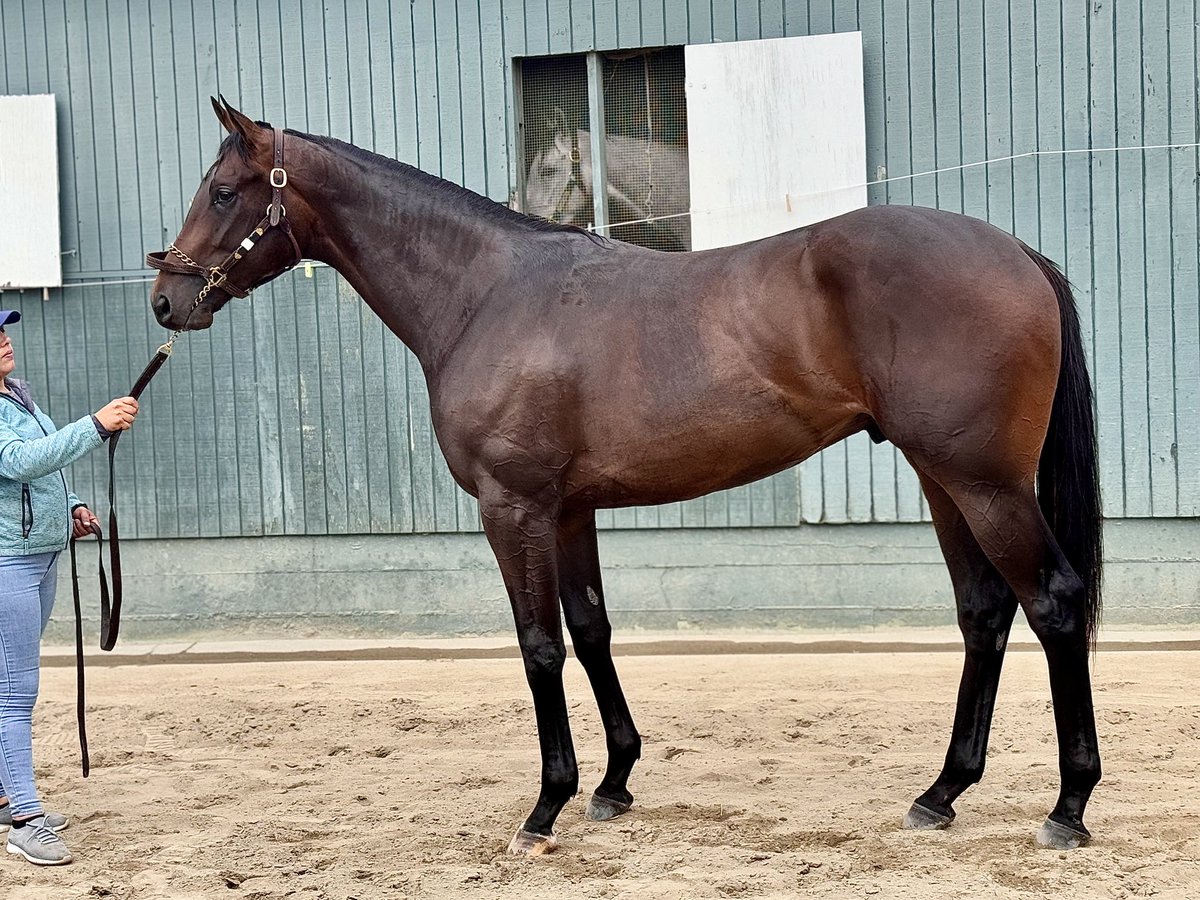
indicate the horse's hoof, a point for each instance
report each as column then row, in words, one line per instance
column 526, row 843
column 920, row 818
column 601, row 809
column 1056, row 836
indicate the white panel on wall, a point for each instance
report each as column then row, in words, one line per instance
column 29, row 239
column 777, row 140
column 776, row 135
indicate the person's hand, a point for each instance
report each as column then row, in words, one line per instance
column 82, row 521
column 119, row 414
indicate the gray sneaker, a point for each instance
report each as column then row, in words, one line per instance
column 39, row 844
column 54, row 821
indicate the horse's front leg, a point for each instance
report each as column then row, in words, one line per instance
column 521, row 531
column 591, row 634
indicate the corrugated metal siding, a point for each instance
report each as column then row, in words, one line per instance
column 298, row 414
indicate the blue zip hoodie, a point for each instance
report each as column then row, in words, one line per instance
column 35, row 504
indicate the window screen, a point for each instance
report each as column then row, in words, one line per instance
column 554, row 91
column 645, row 114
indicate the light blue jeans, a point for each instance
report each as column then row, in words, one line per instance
column 27, row 585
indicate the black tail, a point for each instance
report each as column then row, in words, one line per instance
column 1068, row 482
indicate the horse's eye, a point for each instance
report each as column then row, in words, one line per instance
column 547, row 171
column 224, row 196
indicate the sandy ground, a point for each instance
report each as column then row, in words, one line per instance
column 762, row 776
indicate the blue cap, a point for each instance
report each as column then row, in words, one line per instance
column 9, row 317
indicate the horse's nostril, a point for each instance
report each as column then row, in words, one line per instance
column 161, row 307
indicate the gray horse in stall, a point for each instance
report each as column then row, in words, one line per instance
column 646, row 180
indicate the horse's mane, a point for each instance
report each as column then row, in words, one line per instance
column 476, row 203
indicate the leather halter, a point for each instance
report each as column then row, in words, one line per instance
column 218, row 276
column 575, row 180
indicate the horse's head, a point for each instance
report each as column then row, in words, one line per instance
column 237, row 234
column 558, row 185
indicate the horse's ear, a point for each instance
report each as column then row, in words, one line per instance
column 257, row 137
column 222, row 116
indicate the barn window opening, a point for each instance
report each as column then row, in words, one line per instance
column 642, row 160
column 695, row 147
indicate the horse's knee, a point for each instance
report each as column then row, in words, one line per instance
column 591, row 632
column 592, row 638
column 984, row 629
column 544, row 656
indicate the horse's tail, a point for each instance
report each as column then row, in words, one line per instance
column 1068, row 480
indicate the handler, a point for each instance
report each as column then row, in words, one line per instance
column 37, row 516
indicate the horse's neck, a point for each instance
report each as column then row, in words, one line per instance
column 412, row 250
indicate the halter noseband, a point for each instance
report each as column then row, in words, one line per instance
column 218, row 276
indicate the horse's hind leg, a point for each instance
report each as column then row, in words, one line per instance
column 583, row 606
column 1010, row 528
column 986, row 605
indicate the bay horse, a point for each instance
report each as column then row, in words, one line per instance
column 568, row 372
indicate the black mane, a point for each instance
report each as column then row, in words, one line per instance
column 476, row 203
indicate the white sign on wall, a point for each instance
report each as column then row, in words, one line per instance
column 29, row 238
column 776, row 135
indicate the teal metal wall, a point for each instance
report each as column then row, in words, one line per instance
column 297, row 414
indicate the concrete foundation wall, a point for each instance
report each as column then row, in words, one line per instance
column 823, row 577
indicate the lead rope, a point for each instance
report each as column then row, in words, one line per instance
column 214, row 277
column 110, row 602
